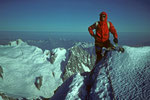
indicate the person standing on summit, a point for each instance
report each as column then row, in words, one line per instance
column 102, row 27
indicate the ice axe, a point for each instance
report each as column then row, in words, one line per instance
column 118, row 48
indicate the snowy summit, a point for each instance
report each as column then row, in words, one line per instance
column 120, row 76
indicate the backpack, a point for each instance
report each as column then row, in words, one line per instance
column 108, row 24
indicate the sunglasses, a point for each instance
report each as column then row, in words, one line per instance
column 103, row 16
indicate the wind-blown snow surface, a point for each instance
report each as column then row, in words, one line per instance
column 130, row 74
column 121, row 76
column 22, row 64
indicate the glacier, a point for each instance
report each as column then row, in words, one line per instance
column 65, row 73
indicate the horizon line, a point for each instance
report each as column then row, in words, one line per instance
column 63, row 31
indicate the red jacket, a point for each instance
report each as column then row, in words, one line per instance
column 102, row 31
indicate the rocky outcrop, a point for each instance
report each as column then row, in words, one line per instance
column 38, row 82
column 53, row 57
column 1, row 72
column 5, row 97
column 79, row 61
column 17, row 42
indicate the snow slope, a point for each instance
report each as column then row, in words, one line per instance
column 121, row 76
column 130, row 74
column 70, row 89
column 22, row 64
column 1, row 98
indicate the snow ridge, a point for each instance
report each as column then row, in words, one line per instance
column 119, row 76
column 100, row 82
column 123, row 76
column 74, row 87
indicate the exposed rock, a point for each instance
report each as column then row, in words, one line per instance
column 1, row 75
column 53, row 57
column 38, row 82
column 1, row 72
column 17, row 42
column 79, row 61
column 5, row 97
column 56, row 53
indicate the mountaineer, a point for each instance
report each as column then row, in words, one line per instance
column 103, row 27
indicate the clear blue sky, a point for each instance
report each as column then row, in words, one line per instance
column 73, row 15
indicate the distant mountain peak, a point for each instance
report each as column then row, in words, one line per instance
column 17, row 42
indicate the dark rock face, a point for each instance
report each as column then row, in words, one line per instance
column 1, row 72
column 79, row 61
column 38, row 82
column 52, row 57
column 5, row 97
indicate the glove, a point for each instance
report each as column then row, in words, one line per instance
column 115, row 40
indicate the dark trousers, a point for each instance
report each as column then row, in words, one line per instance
column 98, row 49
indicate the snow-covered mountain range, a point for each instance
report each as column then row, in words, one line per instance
column 27, row 71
